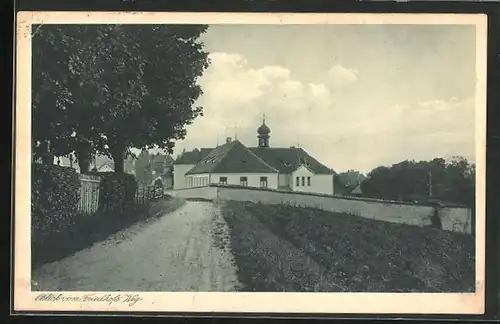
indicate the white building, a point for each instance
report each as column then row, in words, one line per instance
column 289, row 169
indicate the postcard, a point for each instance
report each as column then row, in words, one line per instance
column 258, row 163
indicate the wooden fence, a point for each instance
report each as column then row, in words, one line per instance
column 89, row 193
column 146, row 194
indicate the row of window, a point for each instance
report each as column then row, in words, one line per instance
column 203, row 181
column 197, row 181
column 244, row 181
column 298, row 182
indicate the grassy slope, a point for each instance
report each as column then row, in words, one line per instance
column 283, row 248
column 90, row 229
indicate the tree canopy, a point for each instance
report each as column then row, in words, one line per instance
column 108, row 88
column 453, row 181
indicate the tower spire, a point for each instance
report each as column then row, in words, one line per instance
column 263, row 133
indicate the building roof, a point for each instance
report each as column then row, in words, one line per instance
column 105, row 166
column 162, row 158
column 232, row 157
column 193, row 157
column 357, row 190
column 287, row 160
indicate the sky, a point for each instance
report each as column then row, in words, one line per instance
column 353, row 96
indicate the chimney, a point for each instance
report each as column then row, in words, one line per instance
column 228, row 139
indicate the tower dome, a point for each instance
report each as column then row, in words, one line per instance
column 263, row 133
column 263, row 129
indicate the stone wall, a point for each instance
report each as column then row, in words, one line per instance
column 456, row 219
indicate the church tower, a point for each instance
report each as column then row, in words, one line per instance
column 263, row 133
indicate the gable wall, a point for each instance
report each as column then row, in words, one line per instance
column 284, row 180
column 320, row 183
column 180, row 175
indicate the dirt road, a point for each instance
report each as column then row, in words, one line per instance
column 181, row 251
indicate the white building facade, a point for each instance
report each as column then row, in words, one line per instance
column 233, row 164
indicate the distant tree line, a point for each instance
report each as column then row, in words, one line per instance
column 103, row 89
column 452, row 181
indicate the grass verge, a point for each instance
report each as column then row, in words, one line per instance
column 284, row 248
column 90, row 229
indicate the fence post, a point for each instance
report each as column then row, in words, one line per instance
column 89, row 194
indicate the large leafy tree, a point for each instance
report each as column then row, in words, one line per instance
column 108, row 88
column 65, row 93
column 171, row 61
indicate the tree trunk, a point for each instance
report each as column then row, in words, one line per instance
column 83, row 156
column 46, row 156
column 84, row 165
column 118, row 158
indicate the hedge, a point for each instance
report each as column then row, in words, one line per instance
column 55, row 194
column 117, row 191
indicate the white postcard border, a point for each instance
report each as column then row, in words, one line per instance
column 207, row 302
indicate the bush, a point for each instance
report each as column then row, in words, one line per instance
column 117, row 191
column 55, row 194
column 158, row 183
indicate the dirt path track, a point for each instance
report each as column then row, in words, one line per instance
column 174, row 253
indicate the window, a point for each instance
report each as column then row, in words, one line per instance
column 298, row 182
column 223, row 180
column 308, row 181
column 243, row 181
column 263, row 182
column 303, row 181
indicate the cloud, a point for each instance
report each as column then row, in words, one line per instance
column 344, row 129
column 339, row 76
column 235, row 93
column 422, row 131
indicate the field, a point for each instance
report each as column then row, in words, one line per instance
column 284, row 248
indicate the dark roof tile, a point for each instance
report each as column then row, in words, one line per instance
column 287, row 160
column 193, row 157
column 232, row 157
